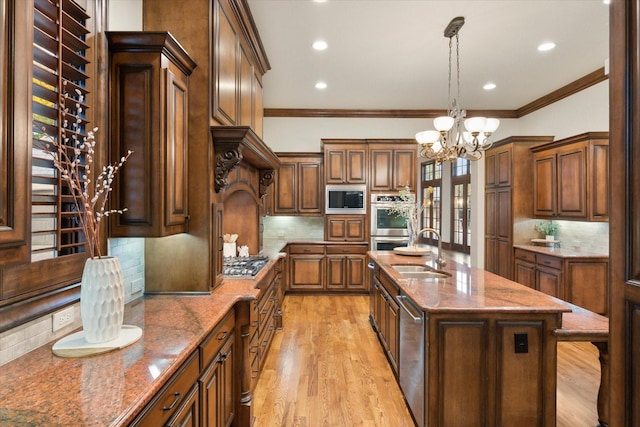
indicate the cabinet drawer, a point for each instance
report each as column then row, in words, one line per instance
column 346, row 249
column 216, row 339
column 306, row 249
column 525, row 255
column 549, row 261
column 173, row 394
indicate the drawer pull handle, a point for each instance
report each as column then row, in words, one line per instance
column 222, row 335
column 306, row 251
column 176, row 399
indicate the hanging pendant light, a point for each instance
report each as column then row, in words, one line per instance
column 449, row 141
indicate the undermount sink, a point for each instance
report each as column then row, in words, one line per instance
column 419, row 272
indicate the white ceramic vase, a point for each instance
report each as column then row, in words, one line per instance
column 102, row 299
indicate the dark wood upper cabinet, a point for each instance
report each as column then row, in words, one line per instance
column 571, row 178
column 149, row 96
column 392, row 166
column 344, row 162
column 298, row 185
column 508, row 198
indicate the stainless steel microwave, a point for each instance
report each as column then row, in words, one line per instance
column 345, row 199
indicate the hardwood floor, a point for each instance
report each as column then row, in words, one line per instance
column 326, row 368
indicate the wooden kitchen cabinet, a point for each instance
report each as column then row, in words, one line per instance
column 327, row 268
column 392, row 167
column 580, row 280
column 345, row 162
column 346, row 267
column 306, row 268
column 345, row 228
column 149, row 96
column 236, row 96
column 174, row 401
column 385, row 315
column 217, row 380
column 571, row 178
column 298, row 185
column 264, row 319
column 508, row 200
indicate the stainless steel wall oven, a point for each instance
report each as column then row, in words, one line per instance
column 388, row 230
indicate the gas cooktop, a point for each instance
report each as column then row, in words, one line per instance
column 244, row 266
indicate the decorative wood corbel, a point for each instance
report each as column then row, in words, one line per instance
column 227, row 157
column 266, row 179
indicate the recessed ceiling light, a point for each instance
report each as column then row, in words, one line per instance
column 606, row 1
column 320, row 45
column 546, row 46
column 489, row 86
column 320, row 1
column 321, row 85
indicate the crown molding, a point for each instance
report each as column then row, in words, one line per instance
column 582, row 83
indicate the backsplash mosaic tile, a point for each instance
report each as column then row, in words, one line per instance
column 21, row 340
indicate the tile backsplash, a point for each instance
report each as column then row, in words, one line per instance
column 24, row 338
column 585, row 236
column 282, row 229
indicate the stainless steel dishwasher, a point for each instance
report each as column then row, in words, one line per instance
column 411, row 358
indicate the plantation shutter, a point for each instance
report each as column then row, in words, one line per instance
column 59, row 55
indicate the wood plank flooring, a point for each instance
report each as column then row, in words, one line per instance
column 326, row 368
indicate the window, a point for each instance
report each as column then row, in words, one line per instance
column 461, row 209
column 431, row 189
column 59, row 65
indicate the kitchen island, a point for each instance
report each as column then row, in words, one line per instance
column 185, row 337
column 487, row 350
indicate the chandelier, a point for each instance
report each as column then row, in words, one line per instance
column 449, row 141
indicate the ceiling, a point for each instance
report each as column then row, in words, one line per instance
column 392, row 54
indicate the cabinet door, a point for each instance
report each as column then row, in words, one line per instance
column 490, row 170
column 572, row 182
column 491, row 214
column 218, row 249
column 188, row 414
column 336, row 272
column 226, row 52
column 306, row 272
column 503, row 263
column 310, row 188
column 598, row 171
column 356, row 272
column 503, row 213
column 525, row 273
column 393, row 332
column 284, row 201
column 381, row 169
column 490, row 254
column 211, row 384
column 549, row 281
column 177, row 118
column 503, row 167
column 404, row 169
column 246, row 90
column 335, row 166
column 356, row 166
column 544, row 202
column 345, row 228
column 227, row 391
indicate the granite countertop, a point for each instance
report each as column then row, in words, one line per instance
column 468, row 289
column 41, row 389
column 563, row 252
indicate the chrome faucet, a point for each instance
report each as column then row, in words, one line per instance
column 440, row 260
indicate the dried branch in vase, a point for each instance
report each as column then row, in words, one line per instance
column 73, row 157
